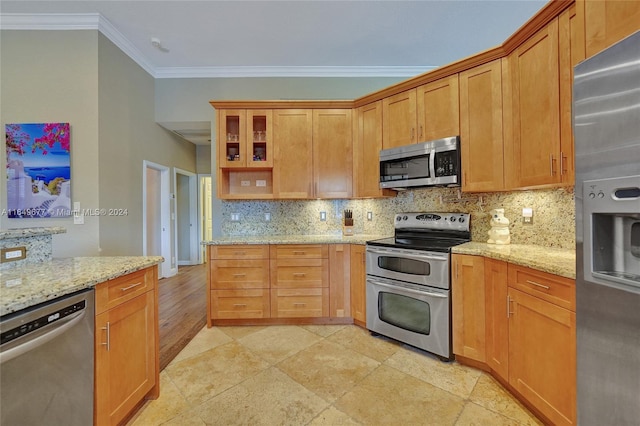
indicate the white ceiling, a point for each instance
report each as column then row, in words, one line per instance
column 209, row 38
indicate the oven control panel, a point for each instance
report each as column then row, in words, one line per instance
column 442, row 221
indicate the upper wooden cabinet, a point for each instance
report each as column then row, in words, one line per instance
column 533, row 157
column 366, row 152
column 431, row 111
column 399, row 120
column 481, row 138
column 245, row 138
column 438, row 109
column 607, row 22
column 293, row 165
column 332, row 153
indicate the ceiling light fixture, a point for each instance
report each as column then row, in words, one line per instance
column 155, row 42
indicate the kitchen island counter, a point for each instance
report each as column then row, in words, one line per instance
column 31, row 284
column 295, row 239
column 556, row 261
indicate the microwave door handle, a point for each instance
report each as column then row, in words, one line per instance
column 408, row 290
column 432, row 164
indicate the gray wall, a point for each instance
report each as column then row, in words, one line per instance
column 129, row 135
column 52, row 76
column 80, row 77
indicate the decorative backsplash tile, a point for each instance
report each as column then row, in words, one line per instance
column 553, row 214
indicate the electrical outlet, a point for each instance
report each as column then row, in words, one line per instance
column 261, row 182
column 235, row 217
column 245, row 183
column 323, row 216
column 267, row 217
column 369, row 216
column 527, row 216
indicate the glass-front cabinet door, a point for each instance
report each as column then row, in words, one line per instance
column 232, row 137
column 259, row 139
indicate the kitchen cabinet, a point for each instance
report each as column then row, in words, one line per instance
column 238, row 282
column 607, row 22
column 299, row 281
column 399, row 119
column 468, row 306
column 293, row 165
column 332, row 153
column 339, row 280
column 366, row 152
column 533, row 157
column 438, row 109
column 571, row 44
column 126, row 345
column 358, row 285
column 246, row 138
column 542, row 355
column 481, row 130
column 496, row 320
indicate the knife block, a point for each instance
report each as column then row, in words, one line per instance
column 347, row 230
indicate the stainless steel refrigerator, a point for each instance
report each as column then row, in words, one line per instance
column 606, row 120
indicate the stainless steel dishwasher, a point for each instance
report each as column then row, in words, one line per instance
column 46, row 363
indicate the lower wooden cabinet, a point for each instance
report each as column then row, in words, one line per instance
column 542, row 355
column 126, row 345
column 358, row 285
column 527, row 323
column 300, row 302
column 236, row 304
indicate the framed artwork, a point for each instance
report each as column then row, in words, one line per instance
column 38, row 170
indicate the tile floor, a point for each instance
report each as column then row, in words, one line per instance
column 321, row 375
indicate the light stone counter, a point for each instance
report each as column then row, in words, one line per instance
column 295, row 239
column 35, row 283
column 556, row 261
column 30, row 232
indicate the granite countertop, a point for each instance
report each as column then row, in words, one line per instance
column 6, row 234
column 295, row 239
column 35, row 283
column 556, row 261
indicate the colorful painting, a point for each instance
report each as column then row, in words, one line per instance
column 38, row 170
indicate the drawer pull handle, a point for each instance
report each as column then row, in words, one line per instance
column 108, row 330
column 239, row 305
column 546, row 287
column 298, row 252
column 131, row 286
column 239, row 275
column 239, row 253
column 299, row 304
column 299, row 274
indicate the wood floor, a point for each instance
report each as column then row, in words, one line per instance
column 182, row 309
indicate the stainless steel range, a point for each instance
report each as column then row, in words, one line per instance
column 409, row 280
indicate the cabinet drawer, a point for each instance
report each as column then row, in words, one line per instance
column 299, row 251
column 558, row 290
column 299, row 273
column 232, row 304
column 237, row 274
column 118, row 290
column 299, row 302
column 239, row 251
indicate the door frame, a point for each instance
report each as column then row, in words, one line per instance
column 201, row 199
column 193, row 216
column 167, row 267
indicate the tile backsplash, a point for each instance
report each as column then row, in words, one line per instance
column 553, row 214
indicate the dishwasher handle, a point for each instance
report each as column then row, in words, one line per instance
column 29, row 345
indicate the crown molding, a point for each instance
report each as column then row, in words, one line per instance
column 290, row 71
column 95, row 21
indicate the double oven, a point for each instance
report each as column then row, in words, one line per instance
column 409, row 280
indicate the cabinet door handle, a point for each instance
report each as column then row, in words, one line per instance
column 413, row 133
column 562, row 169
column 508, row 306
column 108, row 342
column 546, row 287
column 551, row 164
column 131, row 286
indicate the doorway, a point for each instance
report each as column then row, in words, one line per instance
column 156, row 212
column 205, row 195
column 185, row 185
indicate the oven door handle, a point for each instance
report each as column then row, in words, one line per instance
column 407, row 255
column 408, row 290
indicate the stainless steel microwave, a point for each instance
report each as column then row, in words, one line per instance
column 433, row 163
